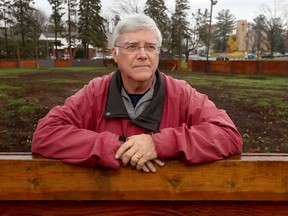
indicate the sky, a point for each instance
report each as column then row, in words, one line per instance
column 242, row 9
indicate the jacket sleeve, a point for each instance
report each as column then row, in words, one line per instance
column 206, row 134
column 64, row 134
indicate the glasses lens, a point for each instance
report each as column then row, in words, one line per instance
column 151, row 48
column 134, row 48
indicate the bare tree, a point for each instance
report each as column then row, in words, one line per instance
column 125, row 7
column 199, row 29
column 275, row 15
column 41, row 18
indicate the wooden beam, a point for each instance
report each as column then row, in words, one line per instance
column 155, row 208
column 250, row 177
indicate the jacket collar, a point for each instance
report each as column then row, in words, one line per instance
column 150, row 118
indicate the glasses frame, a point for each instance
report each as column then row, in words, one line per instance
column 127, row 46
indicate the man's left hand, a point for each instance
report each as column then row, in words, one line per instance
column 139, row 151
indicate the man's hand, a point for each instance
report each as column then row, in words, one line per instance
column 149, row 166
column 140, row 152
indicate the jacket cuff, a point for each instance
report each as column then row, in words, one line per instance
column 166, row 146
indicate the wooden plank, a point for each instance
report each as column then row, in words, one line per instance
column 116, row 208
column 249, row 177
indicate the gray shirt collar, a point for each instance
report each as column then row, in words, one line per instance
column 149, row 118
column 134, row 112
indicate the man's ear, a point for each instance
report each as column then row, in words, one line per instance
column 114, row 54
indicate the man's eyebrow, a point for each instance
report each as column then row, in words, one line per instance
column 130, row 42
column 136, row 43
column 150, row 43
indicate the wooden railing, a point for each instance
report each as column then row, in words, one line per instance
column 251, row 184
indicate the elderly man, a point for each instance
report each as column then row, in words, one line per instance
column 136, row 115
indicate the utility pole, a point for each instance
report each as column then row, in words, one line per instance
column 213, row 2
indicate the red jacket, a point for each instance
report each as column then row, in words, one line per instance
column 86, row 129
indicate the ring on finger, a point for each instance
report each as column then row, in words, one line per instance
column 137, row 156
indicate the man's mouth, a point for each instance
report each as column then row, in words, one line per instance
column 139, row 66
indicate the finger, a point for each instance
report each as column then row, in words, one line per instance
column 140, row 164
column 123, row 148
column 145, row 169
column 150, row 166
column 159, row 162
column 134, row 160
column 143, row 160
column 127, row 156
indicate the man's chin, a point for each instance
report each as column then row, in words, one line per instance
column 142, row 70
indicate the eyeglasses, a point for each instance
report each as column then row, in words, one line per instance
column 134, row 48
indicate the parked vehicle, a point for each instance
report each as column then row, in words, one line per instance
column 251, row 56
column 108, row 57
column 223, row 57
column 278, row 55
column 266, row 55
column 96, row 57
column 65, row 56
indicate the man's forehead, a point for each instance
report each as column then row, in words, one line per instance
column 136, row 37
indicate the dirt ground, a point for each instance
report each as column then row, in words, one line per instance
column 27, row 97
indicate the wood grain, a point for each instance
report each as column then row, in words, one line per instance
column 156, row 208
column 247, row 178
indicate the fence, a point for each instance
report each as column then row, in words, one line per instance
column 50, row 63
column 242, row 67
column 251, row 184
column 236, row 67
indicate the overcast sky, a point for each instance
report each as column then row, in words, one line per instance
column 242, row 9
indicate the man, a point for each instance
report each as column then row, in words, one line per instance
column 137, row 115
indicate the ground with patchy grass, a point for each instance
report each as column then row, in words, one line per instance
column 258, row 105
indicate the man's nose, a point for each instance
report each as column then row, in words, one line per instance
column 142, row 52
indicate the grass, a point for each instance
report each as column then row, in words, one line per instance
column 27, row 108
column 258, row 87
column 8, row 87
column 17, row 101
column 264, row 82
column 183, row 64
column 87, row 69
column 6, row 71
column 262, row 91
column 64, row 81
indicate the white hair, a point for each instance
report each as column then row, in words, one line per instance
column 133, row 23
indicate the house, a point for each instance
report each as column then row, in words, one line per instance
column 63, row 51
column 63, row 46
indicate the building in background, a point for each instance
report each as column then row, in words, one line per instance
column 246, row 38
column 63, row 51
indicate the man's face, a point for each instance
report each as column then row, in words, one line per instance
column 137, row 65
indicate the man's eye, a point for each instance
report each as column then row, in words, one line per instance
column 132, row 47
column 150, row 47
